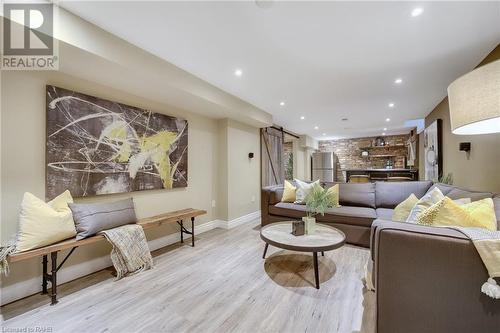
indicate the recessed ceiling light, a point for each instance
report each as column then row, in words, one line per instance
column 316, row 127
column 383, row 133
column 264, row 4
column 398, row 80
column 391, row 105
column 417, row 11
column 282, row 103
column 238, row 72
column 388, row 119
column 385, row 128
column 302, row 118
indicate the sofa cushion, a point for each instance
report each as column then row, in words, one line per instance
column 454, row 192
column 359, row 195
column 288, row 209
column 390, row 194
column 275, row 194
column 385, row 213
column 360, row 216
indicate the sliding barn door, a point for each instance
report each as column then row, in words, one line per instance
column 273, row 171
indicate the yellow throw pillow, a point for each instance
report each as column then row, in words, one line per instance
column 478, row 214
column 402, row 211
column 429, row 199
column 483, row 211
column 288, row 192
column 43, row 223
column 60, row 203
column 333, row 194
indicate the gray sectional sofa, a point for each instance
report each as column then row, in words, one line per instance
column 427, row 279
column 361, row 205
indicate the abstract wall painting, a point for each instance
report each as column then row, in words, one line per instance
column 433, row 151
column 96, row 146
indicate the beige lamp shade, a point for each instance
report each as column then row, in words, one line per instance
column 474, row 101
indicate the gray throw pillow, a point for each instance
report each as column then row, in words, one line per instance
column 94, row 217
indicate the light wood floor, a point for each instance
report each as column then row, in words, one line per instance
column 221, row 285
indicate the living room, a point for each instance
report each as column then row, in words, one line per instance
column 250, row 166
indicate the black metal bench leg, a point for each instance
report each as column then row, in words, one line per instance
column 44, row 275
column 192, row 231
column 182, row 231
column 53, row 277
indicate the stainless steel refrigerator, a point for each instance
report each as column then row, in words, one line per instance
column 324, row 167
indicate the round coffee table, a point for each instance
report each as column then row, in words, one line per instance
column 325, row 238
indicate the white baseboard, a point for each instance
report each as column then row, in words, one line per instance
column 32, row 286
column 240, row 220
column 160, row 242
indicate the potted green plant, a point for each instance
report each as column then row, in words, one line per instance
column 317, row 202
column 448, row 179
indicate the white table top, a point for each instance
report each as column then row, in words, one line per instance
column 323, row 239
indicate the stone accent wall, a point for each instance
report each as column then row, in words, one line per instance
column 348, row 152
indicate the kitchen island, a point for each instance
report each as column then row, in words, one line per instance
column 383, row 174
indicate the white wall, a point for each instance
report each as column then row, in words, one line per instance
column 23, row 160
column 243, row 193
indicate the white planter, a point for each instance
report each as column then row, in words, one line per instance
column 310, row 224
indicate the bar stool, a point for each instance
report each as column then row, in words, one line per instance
column 359, row 179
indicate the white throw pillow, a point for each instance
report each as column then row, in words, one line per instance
column 43, row 223
column 303, row 190
column 429, row 199
column 462, row 201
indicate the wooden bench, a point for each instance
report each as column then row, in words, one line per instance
column 172, row 217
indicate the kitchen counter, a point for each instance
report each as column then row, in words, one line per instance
column 383, row 174
column 384, row 169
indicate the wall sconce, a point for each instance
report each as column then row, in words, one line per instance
column 464, row 146
column 250, row 155
column 364, row 153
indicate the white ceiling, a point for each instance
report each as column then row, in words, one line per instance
column 326, row 60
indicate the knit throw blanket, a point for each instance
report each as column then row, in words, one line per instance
column 487, row 244
column 5, row 251
column 130, row 252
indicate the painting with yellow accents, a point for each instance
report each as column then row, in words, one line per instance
column 96, row 146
